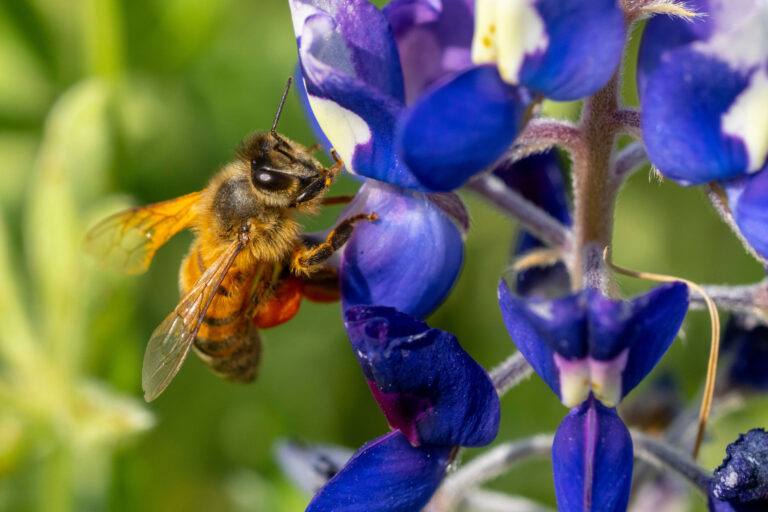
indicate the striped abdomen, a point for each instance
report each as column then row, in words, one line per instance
column 228, row 341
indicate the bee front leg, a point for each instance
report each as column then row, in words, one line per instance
column 306, row 259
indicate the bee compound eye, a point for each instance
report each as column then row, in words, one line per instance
column 270, row 179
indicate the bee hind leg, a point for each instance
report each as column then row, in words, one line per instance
column 307, row 259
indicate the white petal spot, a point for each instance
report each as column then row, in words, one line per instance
column 606, row 378
column 345, row 129
column 747, row 119
column 505, row 32
column 574, row 380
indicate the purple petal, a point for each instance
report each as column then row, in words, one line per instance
column 537, row 331
column 664, row 33
column 584, row 41
column 301, row 92
column 742, row 478
column 656, row 320
column 592, row 460
column 587, row 341
column 427, row 385
column 354, row 39
column 685, row 138
column 746, row 341
column 539, row 178
column 409, row 259
column 749, row 200
column 353, row 86
column 461, row 127
column 433, row 37
column 385, row 475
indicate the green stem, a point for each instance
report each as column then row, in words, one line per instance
column 594, row 193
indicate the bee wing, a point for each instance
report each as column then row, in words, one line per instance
column 170, row 342
column 128, row 240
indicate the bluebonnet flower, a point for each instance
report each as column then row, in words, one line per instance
column 558, row 49
column 397, row 116
column 353, row 87
column 592, row 351
column 740, row 484
column 704, row 95
column 435, row 397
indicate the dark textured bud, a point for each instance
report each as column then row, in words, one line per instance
column 742, row 478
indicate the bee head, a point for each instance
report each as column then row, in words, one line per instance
column 282, row 172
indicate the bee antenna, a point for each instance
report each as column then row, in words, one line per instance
column 281, row 105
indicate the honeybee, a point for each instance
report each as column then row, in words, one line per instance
column 248, row 266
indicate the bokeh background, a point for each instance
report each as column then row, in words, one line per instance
column 106, row 103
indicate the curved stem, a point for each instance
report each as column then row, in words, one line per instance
column 626, row 162
column 659, row 453
column 532, row 218
column 492, row 464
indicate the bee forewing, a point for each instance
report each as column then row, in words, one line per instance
column 169, row 344
column 129, row 240
column 168, row 348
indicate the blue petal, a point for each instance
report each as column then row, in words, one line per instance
column 701, row 85
column 585, row 41
column 409, row 259
column 461, row 127
column 592, row 460
column 317, row 131
column 434, row 39
column 427, row 385
column 536, row 331
column 539, row 178
column 685, row 139
column 356, row 110
column 656, row 320
column 746, row 341
column 750, row 209
column 612, row 344
column 664, row 33
column 385, row 475
column 742, row 479
column 354, row 39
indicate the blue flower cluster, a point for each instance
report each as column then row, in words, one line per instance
column 421, row 97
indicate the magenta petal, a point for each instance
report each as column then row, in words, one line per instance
column 427, row 385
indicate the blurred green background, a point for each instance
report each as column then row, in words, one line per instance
column 105, row 103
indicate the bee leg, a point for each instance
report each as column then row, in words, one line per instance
column 338, row 165
column 314, row 148
column 327, row 201
column 306, row 259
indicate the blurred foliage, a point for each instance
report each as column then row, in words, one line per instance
column 106, row 102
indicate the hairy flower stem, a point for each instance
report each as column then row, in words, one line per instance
column 659, row 453
column 510, row 373
column 532, row 218
column 594, row 192
column 749, row 299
